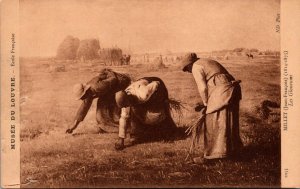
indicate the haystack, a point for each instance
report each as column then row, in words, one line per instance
column 88, row 49
column 111, row 56
column 68, row 48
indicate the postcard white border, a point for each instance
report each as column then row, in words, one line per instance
column 10, row 94
column 290, row 90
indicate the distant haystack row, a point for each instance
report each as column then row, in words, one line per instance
column 72, row 48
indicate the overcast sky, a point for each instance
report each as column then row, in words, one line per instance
column 150, row 26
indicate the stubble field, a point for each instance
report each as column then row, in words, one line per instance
column 51, row 158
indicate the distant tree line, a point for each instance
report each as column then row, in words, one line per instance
column 246, row 50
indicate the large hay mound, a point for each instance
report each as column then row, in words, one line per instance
column 67, row 50
column 88, row 49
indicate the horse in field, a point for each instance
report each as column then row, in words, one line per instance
column 250, row 55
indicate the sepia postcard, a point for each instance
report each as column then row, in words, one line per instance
column 150, row 93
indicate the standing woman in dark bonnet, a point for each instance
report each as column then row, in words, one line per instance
column 220, row 94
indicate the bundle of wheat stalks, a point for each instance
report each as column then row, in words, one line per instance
column 177, row 106
column 195, row 129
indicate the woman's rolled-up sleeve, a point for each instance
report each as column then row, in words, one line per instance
column 124, row 121
column 200, row 79
column 83, row 109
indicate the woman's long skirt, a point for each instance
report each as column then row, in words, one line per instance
column 221, row 130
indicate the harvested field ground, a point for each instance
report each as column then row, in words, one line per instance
column 51, row 158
